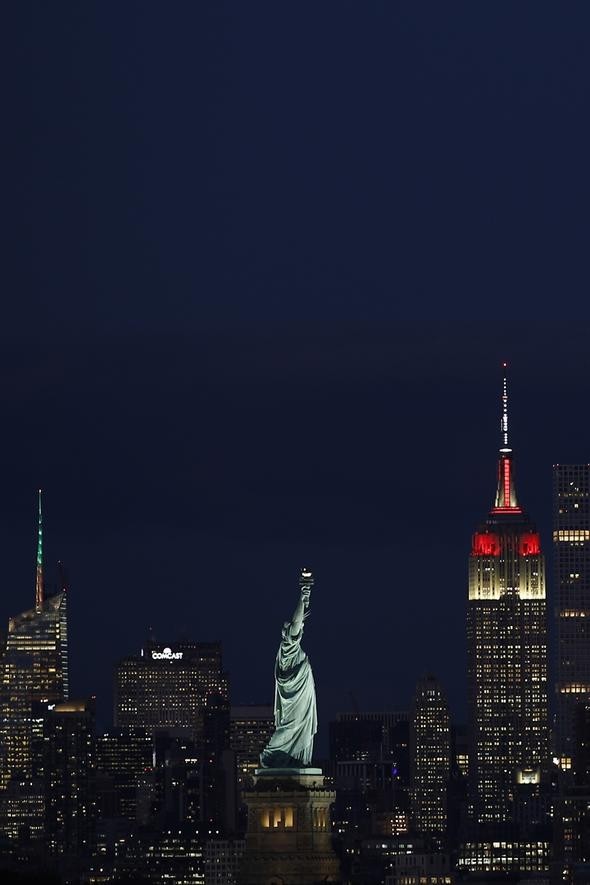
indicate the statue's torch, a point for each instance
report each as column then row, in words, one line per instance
column 305, row 585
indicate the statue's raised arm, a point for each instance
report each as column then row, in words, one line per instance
column 291, row 745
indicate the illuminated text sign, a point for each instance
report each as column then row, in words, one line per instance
column 166, row 655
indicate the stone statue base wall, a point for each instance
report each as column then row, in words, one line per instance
column 289, row 838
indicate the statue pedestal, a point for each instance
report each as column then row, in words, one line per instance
column 289, row 837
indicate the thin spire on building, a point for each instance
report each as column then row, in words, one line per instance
column 39, row 590
column 507, row 654
column 506, row 501
column 504, row 420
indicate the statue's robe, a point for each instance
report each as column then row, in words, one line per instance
column 291, row 744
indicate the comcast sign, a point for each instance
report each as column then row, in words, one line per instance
column 166, row 655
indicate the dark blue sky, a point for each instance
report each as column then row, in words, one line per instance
column 262, row 264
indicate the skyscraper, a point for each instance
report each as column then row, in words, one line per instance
column 370, row 765
column 371, row 735
column 69, row 751
column 571, row 540
column 251, row 726
column 34, row 668
column 430, row 759
column 572, row 809
column 507, row 653
column 123, row 756
column 168, row 686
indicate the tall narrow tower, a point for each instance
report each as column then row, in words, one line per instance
column 39, row 589
column 571, row 540
column 507, row 652
column 430, row 759
column 34, row 668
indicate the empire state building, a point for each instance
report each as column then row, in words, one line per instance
column 507, row 652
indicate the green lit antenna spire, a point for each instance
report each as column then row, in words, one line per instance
column 39, row 594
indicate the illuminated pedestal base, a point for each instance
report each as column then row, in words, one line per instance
column 289, row 838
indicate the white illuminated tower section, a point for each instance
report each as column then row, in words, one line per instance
column 507, row 651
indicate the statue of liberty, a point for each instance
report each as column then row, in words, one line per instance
column 291, row 744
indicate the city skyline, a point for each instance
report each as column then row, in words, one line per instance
column 270, row 274
column 331, row 710
column 261, row 270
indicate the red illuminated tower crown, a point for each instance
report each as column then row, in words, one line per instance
column 506, row 501
column 506, row 511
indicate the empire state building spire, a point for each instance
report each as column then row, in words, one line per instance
column 504, row 420
column 39, row 591
column 506, row 501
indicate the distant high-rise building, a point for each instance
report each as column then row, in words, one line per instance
column 359, row 740
column 505, row 860
column 34, row 668
column 572, row 808
column 162, row 854
column 507, row 654
column 178, row 693
column 123, row 757
column 69, row 747
column 371, row 735
column 457, row 790
column 167, row 686
column 219, row 765
column 181, row 774
column 460, row 749
column 369, row 759
column 571, row 544
column 430, row 759
column 251, row 726
column 421, row 868
column 372, row 858
column 22, row 812
column 196, row 782
column 581, row 759
column 222, row 860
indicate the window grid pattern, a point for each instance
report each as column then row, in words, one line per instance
column 571, row 540
column 507, row 674
column 34, row 669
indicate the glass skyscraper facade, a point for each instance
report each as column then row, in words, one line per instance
column 34, row 669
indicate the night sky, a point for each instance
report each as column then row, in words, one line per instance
column 262, row 263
